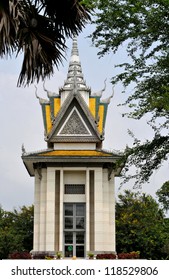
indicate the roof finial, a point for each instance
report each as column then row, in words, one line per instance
column 107, row 100
column 49, row 93
column 41, row 100
column 75, row 69
column 23, row 150
column 100, row 92
column 74, row 53
column 74, row 46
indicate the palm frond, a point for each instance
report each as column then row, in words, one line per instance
column 7, row 27
column 69, row 16
column 41, row 53
column 42, row 47
column 39, row 28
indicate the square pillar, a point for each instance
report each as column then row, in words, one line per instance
column 87, row 212
column 98, row 210
column 42, row 227
column 112, row 218
column 50, row 211
column 108, row 212
column 36, row 229
column 61, row 211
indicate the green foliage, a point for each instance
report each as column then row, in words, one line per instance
column 142, row 28
column 145, row 157
column 166, row 245
column 140, row 225
column 163, row 195
column 16, row 231
column 89, row 4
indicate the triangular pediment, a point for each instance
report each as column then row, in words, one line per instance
column 74, row 123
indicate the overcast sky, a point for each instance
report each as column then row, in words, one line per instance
column 21, row 121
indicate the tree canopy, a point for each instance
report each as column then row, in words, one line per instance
column 16, row 231
column 163, row 196
column 38, row 29
column 143, row 28
column 141, row 226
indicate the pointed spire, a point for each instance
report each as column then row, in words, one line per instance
column 75, row 75
column 74, row 53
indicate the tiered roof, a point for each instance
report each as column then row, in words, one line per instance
column 73, row 116
column 74, row 91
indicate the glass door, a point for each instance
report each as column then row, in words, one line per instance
column 74, row 229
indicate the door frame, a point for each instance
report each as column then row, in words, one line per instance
column 74, row 228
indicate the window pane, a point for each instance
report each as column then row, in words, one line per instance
column 80, row 238
column 80, row 223
column 80, row 251
column 80, row 210
column 74, row 189
column 68, row 209
column 68, row 251
column 68, row 223
column 68, row 237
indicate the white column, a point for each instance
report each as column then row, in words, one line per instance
column 87, row 212
column 61, row 210
column 42, row 232
column 112, row 236
column 50, row 210
column 108, row 212
column 98, row 209
column 36, row 230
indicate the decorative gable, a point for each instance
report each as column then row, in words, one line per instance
column 74, row 125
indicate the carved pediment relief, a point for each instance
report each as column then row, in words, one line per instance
column 74, row 125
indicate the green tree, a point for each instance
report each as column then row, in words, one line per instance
column 140, row 225
column 16, row 231
column 24, row 226
column 38, row 29
column 142, row 28
column 165, row 248
column 7, row 239
column 163, row 195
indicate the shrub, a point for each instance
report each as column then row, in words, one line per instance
column 106, row 256
column 111, row 256
column 131, row 255
column 20, row 255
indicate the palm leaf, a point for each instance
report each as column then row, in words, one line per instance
column 38, row 28
column 7, row 27
column 41, row 53
column 69, row 16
